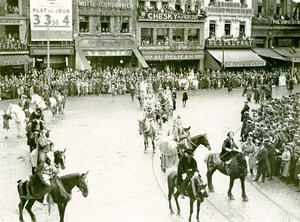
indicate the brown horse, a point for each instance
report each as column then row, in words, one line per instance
column 61, row 192
column 171, row 150
column 147, row 130
column 196, row 190
column 237, row 169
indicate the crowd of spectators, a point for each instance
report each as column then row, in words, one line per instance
column 276, row 122
column 100, row 79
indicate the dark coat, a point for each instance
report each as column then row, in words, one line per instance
column 185, row 96
column 263, row 161
column 226, row 155
column 186, row 166
column 245, row 109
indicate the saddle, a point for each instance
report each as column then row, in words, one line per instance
column 34, row 188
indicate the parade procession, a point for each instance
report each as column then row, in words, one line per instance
column 154, row 111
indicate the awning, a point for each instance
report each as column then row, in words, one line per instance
column 81, row 61
column 8, row 60
column 140, row 58
column 210, row 62
column 237, row 57
column 287, row 53
column 269, row 53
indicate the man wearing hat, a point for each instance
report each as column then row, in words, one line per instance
column 187, row 167
column 174, row 97
column 262, row 162
column 268, row 144
column 248, row 149
column 246, row 108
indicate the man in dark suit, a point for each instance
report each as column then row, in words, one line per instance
column 187, row 167
column 263, row 162
column 245, row 109
column 229, row 148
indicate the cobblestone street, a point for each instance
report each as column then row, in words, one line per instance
column 126, row 184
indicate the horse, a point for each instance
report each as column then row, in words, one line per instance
column 59, row 159
column 147, row 130
column 171, row 149
column 39, row 102
column 196, row 190
column 61, row 193
column 236, row 169
column 18, row 115
column 33, row 135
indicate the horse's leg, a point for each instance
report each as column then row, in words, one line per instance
column 170, row 193
column 145, row 143
column 28, row 208
column 21, row 207
column 244, row 195
column 209, row 174
column 230, row 188
column 176, row 195
column 198, row 210
column 61, row 209
column 153, row 143
column 191, row 208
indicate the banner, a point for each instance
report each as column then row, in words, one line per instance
column 51, row 19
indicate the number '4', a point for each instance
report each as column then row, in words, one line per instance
column 66, row 20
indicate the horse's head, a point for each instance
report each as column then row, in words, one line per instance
column 143, row 126
column 60, row 159
column 201, row 140
column 82, row 184
column 140, row 126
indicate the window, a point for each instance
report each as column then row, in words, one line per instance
column 227, row 29
column 212, row 29
column 178, row 35
column 125, row 24
column 242, row 29
column 83, row 23
column 162, row 37
column 12, row 7
column 177, row 5
column 193, row 37
column 105, row 24
column 146, row 36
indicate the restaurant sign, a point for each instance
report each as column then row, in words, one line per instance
column 228, row 42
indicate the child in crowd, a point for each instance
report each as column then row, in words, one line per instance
column 6, row 119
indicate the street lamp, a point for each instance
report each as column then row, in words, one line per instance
column 293, row 51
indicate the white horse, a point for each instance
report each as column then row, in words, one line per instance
column 18, row 115
column 39, row 102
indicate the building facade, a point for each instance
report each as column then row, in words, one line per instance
column 276, row 30
column 171, row 33
column 105, row 34
column 14, row 51
column 228, row 40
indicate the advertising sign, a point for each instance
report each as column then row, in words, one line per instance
column 51, row 18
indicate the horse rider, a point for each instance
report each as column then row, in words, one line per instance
column 187, row 168
column 229, row 149
column 179, row 132
column 150, row 116
column 36, row 119
column 47, row 170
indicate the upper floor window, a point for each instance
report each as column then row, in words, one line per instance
column 125, row 24
column 227, row 29
column 212, row 29
column 83, row 23
column 12, row 7
column 242, row 29
column 105, row 24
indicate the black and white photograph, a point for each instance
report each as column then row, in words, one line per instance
column 150, row 110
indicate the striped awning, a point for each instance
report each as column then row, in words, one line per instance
column 9, row 60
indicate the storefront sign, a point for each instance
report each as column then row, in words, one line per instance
column 172, row 57
column 105, row 4
column 53, row 51
column 170, row 16
column 51, row 19
column 244, row 64
column 232, row 11
column 108, row 53
column 228, row 42
column 10, row 21
column 286, row 22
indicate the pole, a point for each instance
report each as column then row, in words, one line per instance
column 223, row 59
column 48, row 49
column 293, row 64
